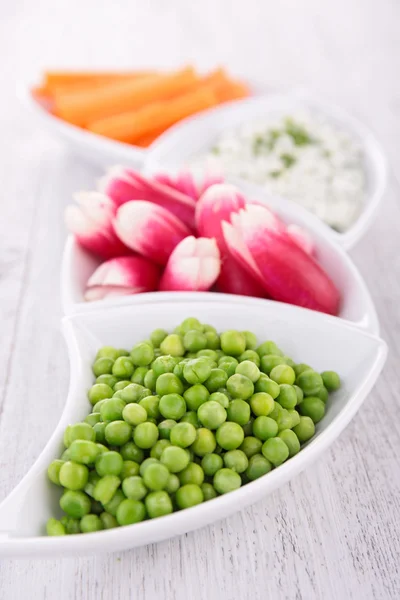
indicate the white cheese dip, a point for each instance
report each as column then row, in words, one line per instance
column 302, row 157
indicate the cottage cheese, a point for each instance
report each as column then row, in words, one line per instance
column 301, row 157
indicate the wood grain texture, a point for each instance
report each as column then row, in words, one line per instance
column 334, row 531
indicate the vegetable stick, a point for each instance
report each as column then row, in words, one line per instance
column 56, row 78
column 231, row 90
column 70, row 87
column 131, row 126
column 149, row 138
column 122, row 96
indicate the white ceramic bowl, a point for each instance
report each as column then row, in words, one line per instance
column 94, row 148
column 198, row 134
column 357, row 305
column 355, row 354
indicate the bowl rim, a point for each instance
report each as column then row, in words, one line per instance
column 371, row 146
column 42, row 545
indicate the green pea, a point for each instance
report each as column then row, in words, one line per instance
column 197, row 370
column 53, row 471
column 221, row 398
column 99, row 391
column 190, row 416
column 173, row 484
column 158, row 448
column 112, row 505
column 158, row 504
column 172, row 345
column 225, row 480
column 240, row 386
column 146, row 463
column 90, row 523
column 157, row 336
column 92, row 419
column 109, row 463
column 183, row 434
column 130, row 468
column 208, row 491
column 91, row 484
column 105, row 488
column 238, row 411
column 109, row 380
column 310, row 382
column 276, row 411
column 107, row 352
column 258, row 466
column 251, row 446
column 73, row 476
column 75, row 503
column 331, row 380
column 265, row 428
column 168, row 383
column 172, row 406
column 275, row 450
column 287, row 396
column 112, row 409
column 284, row 420
column 291, row 440
column 248, row 428
column 283, row 374
column 194, row 341
column 213, row 341
column 145, row 435
column 123, row 367
column 262, row 404
column 295, row 417
column 102, row 366
column 156, row 476
column 165, row 427
column 191, row 323
column 193, row 473
column 130, row 511
column 205, row 442
column 118, row 433
column 142, row 354
column 134, row 414
column 83, row 451
column 229, row 436
column 189, row 495
column 312, row 407
column 139, row 375
column 269, row 348
column 134, row 488
column 300, row 395
column 236, row 460
column 249, row 369
column 97, row 406
column 163, row 364
column 54, row 527
column 130, row 451
column 211, row 414
column 323, row 394
column 233, row 342
column 270, row 361
column 151, row 406
column 108, row 521
column 71, row 525
column 250, row 355
column 174, row 458
column 251, row 340
column 195, row 396
column 133, row 393
column 265, row 384
column 299, row 368
column 228, row 364
column 211, row 463
column 216, row 380
column 150, row 380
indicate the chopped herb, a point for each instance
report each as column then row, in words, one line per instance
column 258, row 143
column 275, row 174
column 288, row 160
column 215, row 150
column 297, row 132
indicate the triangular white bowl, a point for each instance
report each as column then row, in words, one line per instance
column 322, row 341
column 196, row 135
column 357, row 306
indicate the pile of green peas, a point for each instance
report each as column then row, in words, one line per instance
column 179, row 420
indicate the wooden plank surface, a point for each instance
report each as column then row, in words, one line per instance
column 334, row 531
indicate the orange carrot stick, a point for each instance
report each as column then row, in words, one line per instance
column 65, row 78
column 231, row 90
column 84, row 107
column 148, row 139
column 131, row 126
column 80, row 85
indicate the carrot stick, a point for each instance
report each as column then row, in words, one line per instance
column 133, row 125
column 84, row 107
column 72, row 86
column 148, row 139
column 65, row 78
column 232, row 90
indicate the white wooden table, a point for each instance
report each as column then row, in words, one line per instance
column 334, row 531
